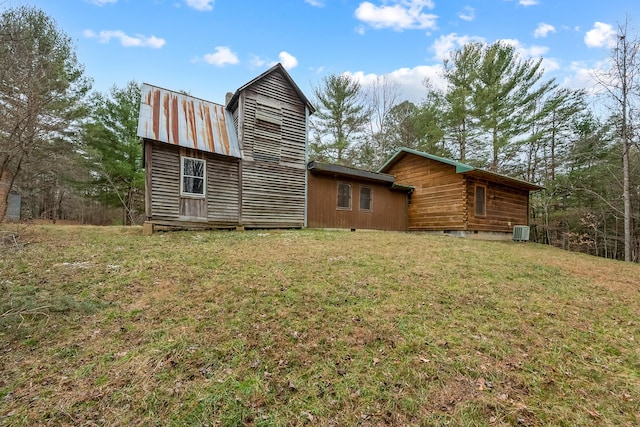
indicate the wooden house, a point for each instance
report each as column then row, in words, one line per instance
column 221, row 166
column 348, row 198
column 456, row 198
column 270, row 115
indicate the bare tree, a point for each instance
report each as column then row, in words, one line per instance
column 41, row 90
column 622, row 86
column 381, row 96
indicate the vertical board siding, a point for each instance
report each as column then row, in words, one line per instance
column 274, row 143
column 193, row 208
column 438, row 201
column 388, row 208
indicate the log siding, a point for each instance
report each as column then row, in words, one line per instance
column 438, row 199
column 444, row 197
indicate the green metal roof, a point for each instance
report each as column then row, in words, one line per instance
column 460, row 168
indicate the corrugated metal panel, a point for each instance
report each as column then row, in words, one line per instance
column 183, row 120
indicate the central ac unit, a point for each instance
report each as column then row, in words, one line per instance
column 520, row 233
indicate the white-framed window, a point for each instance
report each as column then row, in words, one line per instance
column 193, row 179
column 365, row 198
column 344, row 196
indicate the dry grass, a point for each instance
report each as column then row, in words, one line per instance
column 313, row 327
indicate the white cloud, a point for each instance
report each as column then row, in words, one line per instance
column 257, row 62
column 315, row 3
column 600, row 35
column 398, row 14
column 533, row 51
column 528, row 2
column 101, row 2
column 287, row 60
column 138, row 40
column 221, row 57
column 583, row 76
column 203, row 5
column 543, row 30
column 444, row 45
column 410, row 80
column 467, row 14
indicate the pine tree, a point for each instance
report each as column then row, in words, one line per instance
column 115, row 151
column 340, row 119
column 42, row 89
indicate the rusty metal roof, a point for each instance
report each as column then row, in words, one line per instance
column 183, row 120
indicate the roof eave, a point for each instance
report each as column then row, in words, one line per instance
column 460, row 168
column 234, row 99
column 331, row 169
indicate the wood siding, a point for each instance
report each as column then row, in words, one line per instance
column 272, row 135
column 438, row 201
column 272, row 196
column 219, row 207
column 165, row 181
column 388, row 207
column 505, row 207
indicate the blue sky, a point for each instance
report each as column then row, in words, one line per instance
column 210, row 47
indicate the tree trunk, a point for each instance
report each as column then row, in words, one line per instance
column 626, row 145
column 5, row 187
column 626, row 195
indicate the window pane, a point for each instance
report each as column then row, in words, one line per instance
column 193, row 176
column 344, row 196
column 198, row 168
column 480, row 201
column 188, row 167
column 198, row 186
column 193, row 167
column 193, row 185
column 365, row 198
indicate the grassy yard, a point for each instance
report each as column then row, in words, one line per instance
column 103, row 326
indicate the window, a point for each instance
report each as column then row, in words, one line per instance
column 365, row 198
column 481, row 200
column 344, row 196
column 192, row 177
column 267, row 144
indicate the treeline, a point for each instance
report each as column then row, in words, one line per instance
column 70, row 154
column 73, row 154
column 499, row 113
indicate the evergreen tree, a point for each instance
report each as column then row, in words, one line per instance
column 115, row 151
column 503, row 94
column 460, row 73
column 340, row 119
